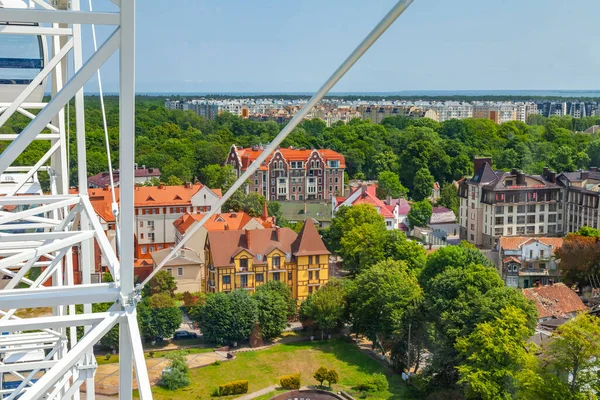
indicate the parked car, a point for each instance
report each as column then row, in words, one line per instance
column 180, row 335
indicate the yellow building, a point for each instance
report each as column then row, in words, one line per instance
column 246, row 259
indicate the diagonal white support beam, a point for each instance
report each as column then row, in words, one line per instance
column 10, row 154
column 11, row 217
column 46, row 382
column 54, row 322
column 30, row 115
column 139, row 361
column 381, row 27
column 59, row 295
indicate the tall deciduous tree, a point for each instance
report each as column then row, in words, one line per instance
column 498, row 363
column 422, row 185
column 579, row 258
column 388, row 184
column 284, row 291
column 575, row 351
column 420, row 213
column 162, row 282
column 158, row 316
column 272, row 313
column 347, row 218
column 226, row 317
column 379, row 298
column 449, row 197
column 326, row 306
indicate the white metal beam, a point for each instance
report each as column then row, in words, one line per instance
column 58, row 295
column 54, row 322
column 62, row 17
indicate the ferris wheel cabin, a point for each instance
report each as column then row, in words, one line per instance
column 22, row 57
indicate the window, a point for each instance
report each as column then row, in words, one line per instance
column 151, row 237
column 520, row 219
column 531, row 208
column 498, row 231
column 170, row 271
column 151, row 224
column 276, row 276
column 530, row 230
column 260, row 278
column 276, row 262
column 520, row 230
column 141, row 224
column 310, row 275
column 510, row 209
column 151, row 249
column 310, row 289
column 317, row 259
column 509, row 231
column 541, row 218
column 541, row 253
column 226, row 279
column 520, row 209
column 144, row 250
column 244, row 263
column 531, row 219
column 541, row 229
column 310, row 259
column 141, row 235
column 552, row 218
column 499, row 220
column 290, row 276
column 244, row 281
column 499, row 209
column 552, row 207
column 472, row 237
column 542, row 207
column 179, row 271
column 510, row 220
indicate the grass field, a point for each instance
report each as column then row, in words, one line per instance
column 263, row 368
column 157, row 354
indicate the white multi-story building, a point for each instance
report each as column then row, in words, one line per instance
column 497, row 203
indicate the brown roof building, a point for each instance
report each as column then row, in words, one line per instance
column 246, row 259
column 555, row 301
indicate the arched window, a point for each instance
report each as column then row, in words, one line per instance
column 276, row 262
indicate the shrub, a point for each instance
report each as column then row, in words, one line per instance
column 321, row 375
column 174, row 379
column 235, row 387
column 290, row 381
column 151, row 354
column 107, row 356
column 332, row 377
column 376, row 383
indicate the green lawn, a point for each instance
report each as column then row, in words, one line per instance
column 157, row 354
column 263, row 368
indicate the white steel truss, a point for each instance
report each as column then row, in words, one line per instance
column 43, row 233
column 47, row 241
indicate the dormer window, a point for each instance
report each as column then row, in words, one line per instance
column 276, row 262
column 244, row 263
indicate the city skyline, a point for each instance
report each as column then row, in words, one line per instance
column 216, row 48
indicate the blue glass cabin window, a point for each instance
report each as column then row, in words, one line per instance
column 21, row 58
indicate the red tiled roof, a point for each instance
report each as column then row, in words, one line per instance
column 511, row 259
column 515, row 242
column 309, row 241
column 555, row 300
column 368, row 196
column 249, row 154
column 219, row 222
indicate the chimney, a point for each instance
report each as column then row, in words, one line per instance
column 520, row 178
column 106, row 188
column 226, row 226
column 479, row 162
column 552, row 177
column 585, row 175
column 151, row 170
column 247, row 234
column 514, row 171
column 546, row 170
column 593, row 169
column 277, row 233
column 161, row 185
column 188, row 185
column 265, row 212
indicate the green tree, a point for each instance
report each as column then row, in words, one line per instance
column 575, row 351
column 347, row 218
column 272, row 313
column 388, row 184
column 422, row 185
column 216, row 176
column 158, row 316
column 362, row 247
column 174, row 181
column 398, row 247
column 326, row 306
column 321, row 375
column 332, row 377
column 380, row 296
column 498, row 363
column 285, row 292
column 226, row 317
column 176, row 375
column 449, row 197
column 420, row 213
column 162, row 282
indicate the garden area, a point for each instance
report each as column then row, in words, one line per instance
column 263, row 368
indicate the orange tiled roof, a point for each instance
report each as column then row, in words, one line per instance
column 555, row 300
column 145, row 196
column 218, row 222
column 515, row 242
column 249, row 154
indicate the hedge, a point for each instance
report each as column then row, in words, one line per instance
column 290, row 381
column 235, row 387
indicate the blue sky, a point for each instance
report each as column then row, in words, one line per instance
column 293, row 46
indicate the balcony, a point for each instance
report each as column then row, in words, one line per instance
column 534, row 272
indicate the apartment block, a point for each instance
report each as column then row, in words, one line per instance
column 292, row 174
column 498, row 203
column 246, row 259
column 156, row 208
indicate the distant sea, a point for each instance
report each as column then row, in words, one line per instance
column 407, row 93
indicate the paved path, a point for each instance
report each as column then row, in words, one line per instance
column 259, row 393
column 107, row 375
